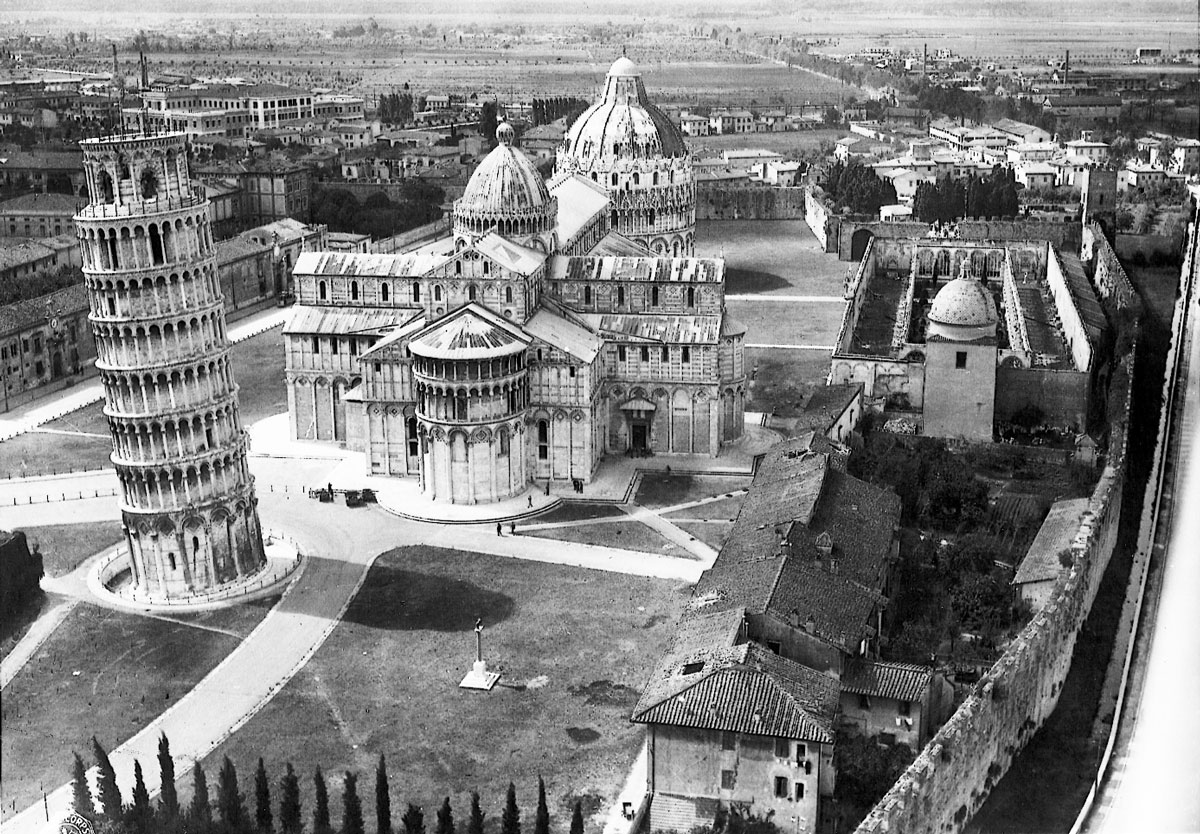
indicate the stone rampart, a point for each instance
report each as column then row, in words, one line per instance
column 820, row 220
column 717, row 202
column 953, row 775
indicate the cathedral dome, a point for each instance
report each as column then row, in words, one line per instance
column 505, row 181
column 506, row 194
column 623, row 123
column 963, row 310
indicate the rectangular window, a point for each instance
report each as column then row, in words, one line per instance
column 685, row 355
column 621, row 353
column 801, row 751
column 960, row 359
column 864, row 702
column 666, row 354
column 316, row 345
column 783, row 747
column 572, row 372
column 333, row 345
column 799, row 790
column 781, row 787
column 645, row 354
column 904, row 708
column 354, row 347
column 728, row 741
column 728, row 780
column 775, row 646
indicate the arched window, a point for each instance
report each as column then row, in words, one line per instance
column 620, row 296
column 460, row 404
column 384, row 292
column 148, row 183
column 437, row 293
column 171, row 558
column 691, row 294
column 612, row 219
column 614, row 179
column 503, row 441
column 543, row 430
column 458, row 267
column 322, row 291
column 411, row 434
column 650, row 218
column 508, row 296
column 587, row 295
column 637, row 179
column 472, row 293
column 354, row 291
column 654, row 296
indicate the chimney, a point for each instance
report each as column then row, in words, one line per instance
column 825, row 545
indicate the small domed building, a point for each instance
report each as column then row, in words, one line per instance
column 960, row 361
column 536, row 338
column 631, row 148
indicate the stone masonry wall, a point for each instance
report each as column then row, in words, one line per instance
column 950, row 779
column 717, row 202
column 1110, row 279
column 817, row 216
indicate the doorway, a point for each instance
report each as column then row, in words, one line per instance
column 638, row 434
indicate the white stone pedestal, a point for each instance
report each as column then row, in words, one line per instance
column 479, row 677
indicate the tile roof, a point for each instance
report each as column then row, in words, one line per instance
column 579, row 201
column 22, row 251
column 616, row 244
column 407, row 264
column 470, row 332
column 25, row 314
column 343, row 321
column 512, row 256
column 898, row 681
column 745, row 689
column 236, row 248
column 49, row 202
column 559, row 332
column 1055, row 535
column 651, row 328
column 647, row 268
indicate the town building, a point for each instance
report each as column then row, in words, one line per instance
column 45, row 338
column 23, row 257
column 1044, row 561
column 186, row 494
column 60, row 171
column 38, row 215
column 956, row 336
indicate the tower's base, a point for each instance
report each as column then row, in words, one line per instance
column 479, row 677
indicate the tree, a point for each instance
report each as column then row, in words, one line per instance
column 510, row 820
column 230, row 802
column 541, row 820
column 865, row 769
column 81, row 794
column 289, row 802
column 199, row 812
column 475, row 821
column 383, row 800
column 577, row 819
column 262, row 798
column 106, row 782
column 488, row 121
column 413, row 820
column 320, row 804
column 168, row 801
column 352, row 818
column 445, row 818
column 139, row 815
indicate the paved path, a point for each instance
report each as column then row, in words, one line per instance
column 672, row 533
column 52, row 407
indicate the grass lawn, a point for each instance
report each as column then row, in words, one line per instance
column 628, row 535
column 725, row 510
column 65, row 546
column 772, row 257
column 107, row 673
column 780, row 374
column 657, row 490
column 711, row 533
column 574, row 647
column 788, row 322
column 569, row 511
column 14, row 627
column 257, row 369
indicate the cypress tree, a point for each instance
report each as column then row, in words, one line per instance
column 262, row 798
column 200, row 811
column 510, row 820
column 577, row 819
column 110, row 794
column 321, row 808
column 168, row 801
column 230, row 807
column 541, row 821
column 475, row 821
column 383, row 800
column 289, row 803
column 445, row 818
column 352, row 818
column 81, row 794
column 139, row 812
column 413, row 819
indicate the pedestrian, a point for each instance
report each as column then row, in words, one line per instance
column 530, row 500
column 499, row 529
column 547, row 487
column 512, row 528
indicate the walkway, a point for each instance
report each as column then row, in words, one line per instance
column 29, row 417
column 57, row 611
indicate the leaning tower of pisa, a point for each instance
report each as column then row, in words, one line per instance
column 188, row 505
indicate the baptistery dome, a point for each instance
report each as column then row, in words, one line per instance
column 963, row 310
column 629, row 146
column 624, row 122
column 506, row 194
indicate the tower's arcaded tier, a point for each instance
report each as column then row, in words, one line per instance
column 634, row 150
column 179, row 448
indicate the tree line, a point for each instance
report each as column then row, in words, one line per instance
column 546, row 110
column 378, row 215
column 992, row 195
column 856, row 187
column 110, row 814
column 397, row 108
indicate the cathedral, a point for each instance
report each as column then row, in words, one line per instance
column 558, row 323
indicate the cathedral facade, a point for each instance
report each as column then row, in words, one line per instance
column 536, row 338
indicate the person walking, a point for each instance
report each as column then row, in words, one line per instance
column 499, row 529
column 512, row 528
column 530, row 501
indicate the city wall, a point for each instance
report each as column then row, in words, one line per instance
column 717, row 202
column 953, row 775
column 1109, row 278
column 1063, row 234
column 818, row 217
